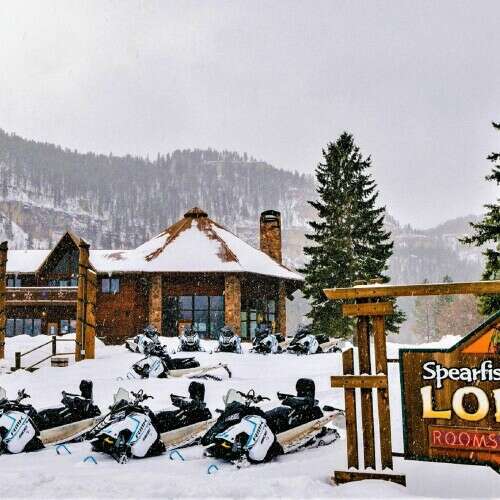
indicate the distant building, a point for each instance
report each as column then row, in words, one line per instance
column 195, row 272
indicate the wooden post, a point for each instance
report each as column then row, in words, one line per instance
column 54, row 345
column 350, row 412
column 90, row 315
column 18, row 360
column 366, row 394
column 384, row 415
column 3, row 280
column 83, row 264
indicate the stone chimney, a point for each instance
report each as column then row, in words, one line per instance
column 270, row 234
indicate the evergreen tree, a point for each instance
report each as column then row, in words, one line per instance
column 348, row 238
column 487, row 232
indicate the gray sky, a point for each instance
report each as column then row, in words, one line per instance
column 417, row 83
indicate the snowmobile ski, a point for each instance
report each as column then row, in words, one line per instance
column 312, row 433
column 186, row 436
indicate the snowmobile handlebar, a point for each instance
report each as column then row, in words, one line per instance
column 251, row 397
column 22, row 394
column 140, row 396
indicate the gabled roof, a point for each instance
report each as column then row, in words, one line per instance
column 193, row 244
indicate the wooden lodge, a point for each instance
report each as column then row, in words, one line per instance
column 194, row 272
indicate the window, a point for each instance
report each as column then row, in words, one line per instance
column 110, row 285
column 67, row 326
column 254, row 312
column 15, row 281
column 23, row 326
column 70, row 282
column 205, row 312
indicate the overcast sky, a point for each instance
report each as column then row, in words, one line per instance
column 417, row 83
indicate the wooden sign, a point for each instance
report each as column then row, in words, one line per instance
column 451, row 399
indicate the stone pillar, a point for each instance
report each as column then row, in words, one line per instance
column 155, row 302
column 281, row 312
column 232, row 302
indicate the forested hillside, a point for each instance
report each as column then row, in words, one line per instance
column 119, row 202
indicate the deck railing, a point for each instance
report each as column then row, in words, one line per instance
column 54, row 340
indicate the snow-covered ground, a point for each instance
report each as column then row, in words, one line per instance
column 45, row 474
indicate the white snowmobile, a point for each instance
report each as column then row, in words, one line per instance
column 23, row 429
column 265, row 342
column 305, row 342
column 141, row 342
column 245, row 434
column 229, row 341
column 130, row 430
column 189, row 341
column 159, row 364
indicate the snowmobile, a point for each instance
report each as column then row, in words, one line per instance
column 140, row 343
column 305, row 342
column 18, row 431
column 22, row 428
column 186, row 425
column 189, row 341
column 159, row 364
column 229, row 341
column 130, row 430
column 265, row 342
column 245, row 434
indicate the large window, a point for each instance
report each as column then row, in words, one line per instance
column 204, row 312
column 255, row 312
column 23, row 326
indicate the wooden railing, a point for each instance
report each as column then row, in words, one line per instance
column 54, row 340
column 41, row 295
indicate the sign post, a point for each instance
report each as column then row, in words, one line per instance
column 424, row 439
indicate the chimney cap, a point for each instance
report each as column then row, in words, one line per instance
column 195, row 213
column 269, row 215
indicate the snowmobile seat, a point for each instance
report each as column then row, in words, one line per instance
column 86, row 389
column 197, row 391
column 305, row 387
column 181, row 363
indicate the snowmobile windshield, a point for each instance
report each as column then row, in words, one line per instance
column 233, row 396
column 3, row 394
column 121, row 395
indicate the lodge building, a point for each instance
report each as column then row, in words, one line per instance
column 195, row 272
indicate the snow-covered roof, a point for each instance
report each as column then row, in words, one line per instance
column 194, row 244
column 25, row 261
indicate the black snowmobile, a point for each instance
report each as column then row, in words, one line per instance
column 246, row 433
column 49, row 426
column 159, row 363
column 131, row 429
column 191, row 410
column 189, row 341
column 75, row 407
column 229, row 341
column 265, row 342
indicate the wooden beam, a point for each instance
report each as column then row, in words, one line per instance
column 384, row 414
column 368, row 309
column 3, row 312
column 366, row 394
column 359, row 381
column 342, row 477
column 90, row 315
column 351, row 416
column 371, row 291
column 81, row 303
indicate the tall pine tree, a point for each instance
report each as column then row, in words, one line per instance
column 487, row 232
column 349, row 241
